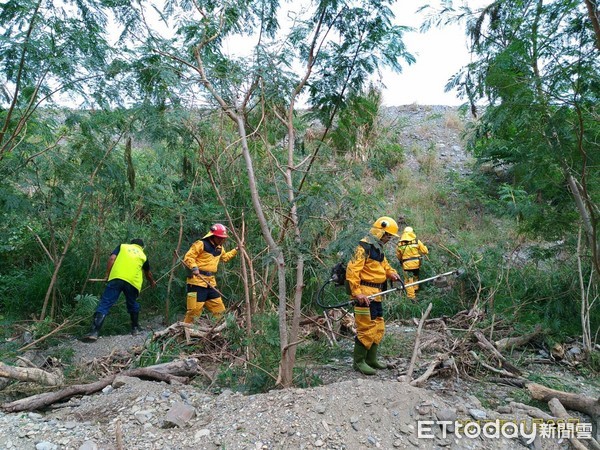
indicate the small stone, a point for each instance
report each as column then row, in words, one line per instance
column 477, row 414
column 89, row 445
column 143, row 416
column 179, row 415
column 446, row 414
column 201, row 434
column 319, row 443
column 45, row 446
column 404, row 429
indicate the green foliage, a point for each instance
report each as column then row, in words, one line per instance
column 356, row 123
column 261, row 373
column 386, row 157
column 158, row 352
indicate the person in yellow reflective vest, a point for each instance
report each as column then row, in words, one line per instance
column 410, row 252
column 202, row 259
column 124, row 274
column 367, row 273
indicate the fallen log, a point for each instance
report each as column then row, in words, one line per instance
column 40, row 401
column 531, row 411
column 189, row 329
column 559, row 411
column 32, row 374
column 518, row 341
column 182, row 367
column 575, row 402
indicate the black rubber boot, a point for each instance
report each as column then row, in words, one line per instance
column 371, row 358
column 97, row 322
column 360, row 353
column 135, row 325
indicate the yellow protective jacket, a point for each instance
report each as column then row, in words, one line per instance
column 204, row 255
column 368, row 263
column 128, row 265
column 410, row 251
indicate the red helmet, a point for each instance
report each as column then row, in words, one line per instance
column 218, row 230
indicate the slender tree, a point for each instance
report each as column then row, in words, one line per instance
column 334, row 48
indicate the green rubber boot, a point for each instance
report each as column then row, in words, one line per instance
column 371, row 358
column 360, row 353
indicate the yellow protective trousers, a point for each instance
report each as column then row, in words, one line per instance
column 411, row 276
column 370, row 325
column 195, row 307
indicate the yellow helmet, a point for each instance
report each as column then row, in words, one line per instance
column 386, row 224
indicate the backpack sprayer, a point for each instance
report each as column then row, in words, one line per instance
column 338, row 276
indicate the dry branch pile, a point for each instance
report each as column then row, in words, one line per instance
column 465, row 350
column 120, row 362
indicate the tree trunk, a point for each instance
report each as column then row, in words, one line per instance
column 559, row 411
column 518, row 341
column 164, row 372
column 592, row 7
column 32, row 374
column 575, row 402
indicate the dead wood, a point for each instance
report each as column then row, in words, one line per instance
column 32, row 374
column 515, row 382
column 182, row 367
column 413, row 359
column 431, row 370
column 503, row 372
column 169, row 372
column 487, row 345
column 518, row 341
column 531, row 411
column 56, row 330
column 119, row 435
column 559, row 411
column 189, row 330
column 575, row 402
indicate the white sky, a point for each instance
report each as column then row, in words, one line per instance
column 440, row 53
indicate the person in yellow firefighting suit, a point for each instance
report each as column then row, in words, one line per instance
column 410, row 251
column 203, row 260
column 367, row 273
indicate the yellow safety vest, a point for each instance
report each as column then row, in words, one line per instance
column 128, row 265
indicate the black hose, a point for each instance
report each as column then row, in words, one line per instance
column 319, row 297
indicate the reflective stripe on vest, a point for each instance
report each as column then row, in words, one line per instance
column 128, row 265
